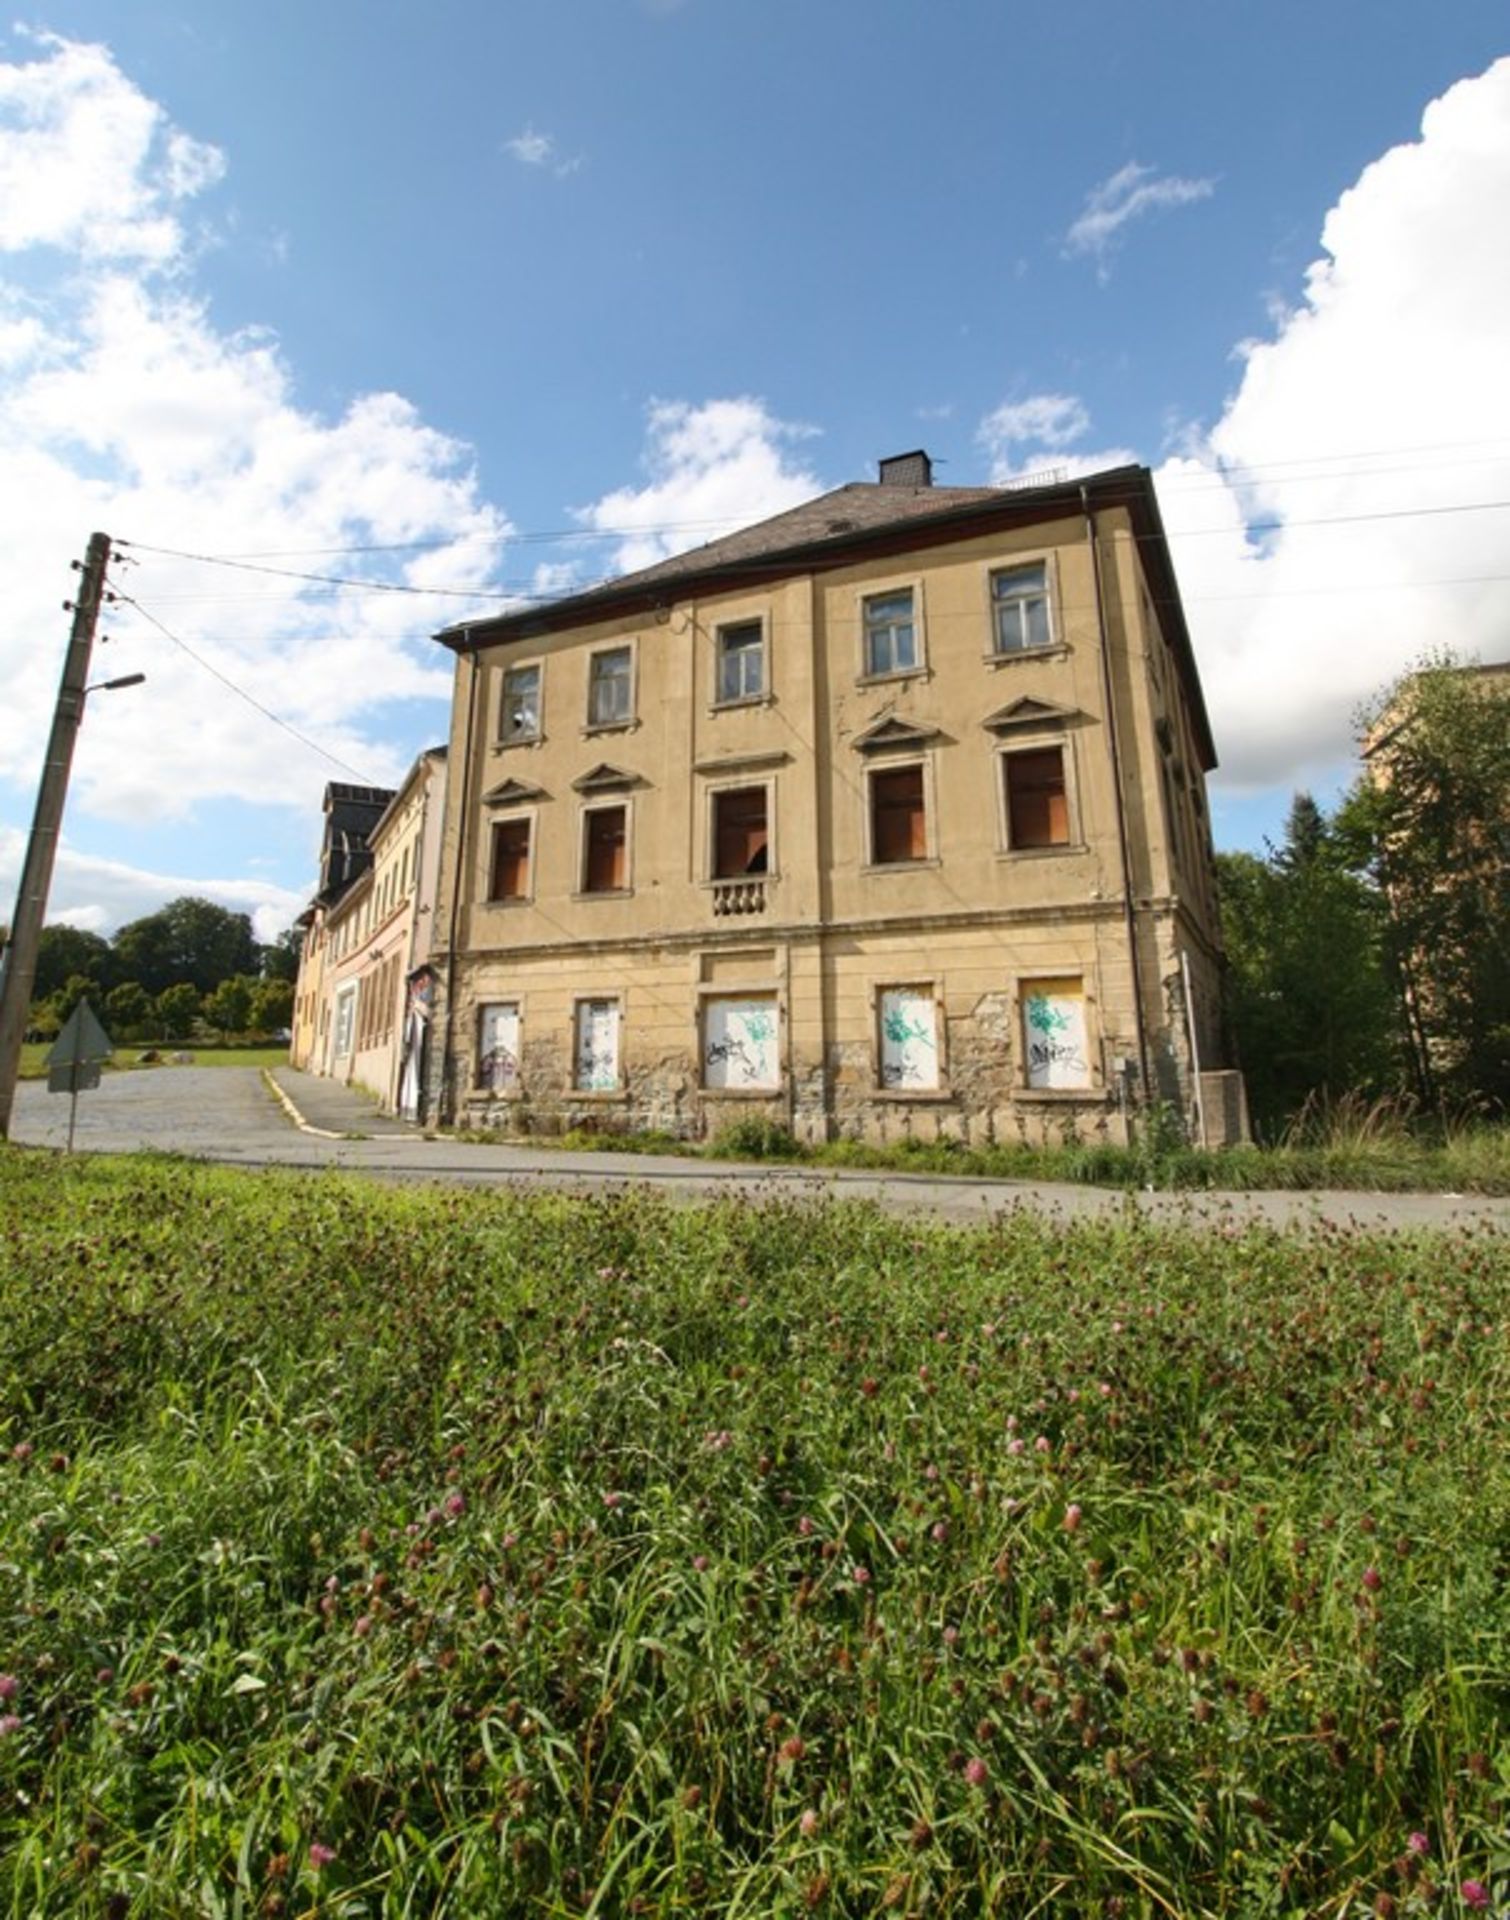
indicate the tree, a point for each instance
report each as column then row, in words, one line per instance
column 177, row 1010
column 272, row 1006
column 1308, row 996
column 229, row 1007
column 187, row 940
column 1430, row 822
column 128, row 1010
column 280, row 960
column 64, row 951
column 68, row 996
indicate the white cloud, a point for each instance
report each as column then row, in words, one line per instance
column 88, row 163
column 123, row 407
column 534, row 149
column 102, row 895
column 1330, row 530
column 1128, row 194
column 1035, row 437
column 711, row 468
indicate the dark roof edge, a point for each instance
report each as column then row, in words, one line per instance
column 1129, row 486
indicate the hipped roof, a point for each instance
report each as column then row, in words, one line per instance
column 863, row 520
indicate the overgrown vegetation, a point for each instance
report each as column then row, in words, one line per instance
column 1369, row 953
column 430, row 1554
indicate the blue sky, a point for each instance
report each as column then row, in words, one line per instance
column 291, row 281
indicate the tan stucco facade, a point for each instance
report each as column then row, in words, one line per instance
column 863, row 865
column 362, row 1000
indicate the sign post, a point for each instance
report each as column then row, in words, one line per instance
column 75, row 1058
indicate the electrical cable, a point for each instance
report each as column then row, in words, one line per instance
column 127, row 600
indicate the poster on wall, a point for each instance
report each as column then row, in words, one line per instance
column 498, row 1047
column 740, row 1043
column 1054, row 1033
column 909, row 1039
column 597, row 1046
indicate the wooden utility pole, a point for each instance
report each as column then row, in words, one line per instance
column 41, row 849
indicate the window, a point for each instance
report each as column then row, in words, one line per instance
column 1036, row 802
column 519, row 714
column 741, row 662
column 909, row 1044
column 610, row 688
column 891, row 641
column 898, row 818
column 498, row 1046
column 1020, row 608
column 1053, row 1019
column 511, row 860
column 605, row 850
column 741, row 832
column 596, row 1054
column 346, row 1014
column 741, row 1048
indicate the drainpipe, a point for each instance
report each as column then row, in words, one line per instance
column 463, row 819
column 1108, row 696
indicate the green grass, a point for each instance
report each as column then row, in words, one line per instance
column 34, row 1057
column 390, row 1553
column 1394, row 1158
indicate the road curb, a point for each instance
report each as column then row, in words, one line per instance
column 286, row 1101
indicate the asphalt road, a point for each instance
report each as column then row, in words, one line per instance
column 230, row 1115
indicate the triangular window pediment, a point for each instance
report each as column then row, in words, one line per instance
column 893, row 733
column 605, row 779
column 511, row 793
column 1028, row 712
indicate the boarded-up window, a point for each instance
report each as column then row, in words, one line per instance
column 898, row 823
column 605, row 859
column 498, row 1046
column 1053, row 1020
column 1037, row 807
column 741, row 832
column 740, row 1042
column 597, row 1046
column 511, row 860
column 909, row 1039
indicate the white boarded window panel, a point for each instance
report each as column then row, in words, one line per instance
column 498, row 1047
column 909, row 1038
column 1053, row 1015
column 598, row 1046
column 740, row 1043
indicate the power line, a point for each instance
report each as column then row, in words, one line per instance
column 1223, row 479
column 125, row 599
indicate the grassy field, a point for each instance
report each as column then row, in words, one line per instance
column 34, row 1057
column 390, row 1553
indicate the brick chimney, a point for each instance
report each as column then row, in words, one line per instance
column 907, row 470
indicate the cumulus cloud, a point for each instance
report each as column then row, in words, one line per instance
column 102, row 895
column 88, row 163
column 1339, row 519
column 124, row 407
column 1128, row 194
column 710, row 468
column 1035, row 437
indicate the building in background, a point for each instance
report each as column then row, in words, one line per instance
column 883, row 817
column 362, row 1003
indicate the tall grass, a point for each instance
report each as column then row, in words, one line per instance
column 398, row 1553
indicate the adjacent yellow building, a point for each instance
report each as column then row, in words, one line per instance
column 883, row 817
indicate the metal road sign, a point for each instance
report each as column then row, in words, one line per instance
column 75, row 1057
